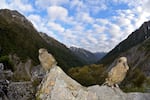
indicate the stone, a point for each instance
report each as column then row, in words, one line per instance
column 6, row 74
column 1, row 66
column 21, row 91
column 4, row 89
column 56, row 85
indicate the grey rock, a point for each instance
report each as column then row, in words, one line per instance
column 37, row 72
column 21, row 91
column 107, row 93
column 1, row 66
column 6, row 74
column 138, row 96
column 22, row 70
column 3, row 89
column 56, row 85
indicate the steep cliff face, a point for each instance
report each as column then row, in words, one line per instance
column 56, row 85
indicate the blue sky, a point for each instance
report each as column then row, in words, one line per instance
column 96, row 25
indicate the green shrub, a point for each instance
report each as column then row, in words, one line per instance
column 7, row 63
column 134, row 82
column 89, row 74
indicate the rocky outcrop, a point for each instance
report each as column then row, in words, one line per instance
column 58, row 86
column 11, row 89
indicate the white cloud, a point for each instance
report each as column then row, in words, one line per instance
column 78, row 5
column 46, row 3
column 35, row 19
column 79, row 28
column 57, row 13
column 84, row 18
column 114, row 30
column 3, row 4
column 21, row 6
column 69, row 35
column 73, row 22
column 88, row 6
column 56, row 27
column 41, row 24
column 102, row 21
column 146, row 5
column 99, row 29
column 92, row 39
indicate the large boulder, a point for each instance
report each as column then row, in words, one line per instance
column 56, row 85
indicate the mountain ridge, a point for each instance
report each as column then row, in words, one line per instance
column 86, row 55
column 132, row 40
column 18, row 36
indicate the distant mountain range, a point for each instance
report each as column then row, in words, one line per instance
column 86, row 55
column 18, row 36
column 136, row 47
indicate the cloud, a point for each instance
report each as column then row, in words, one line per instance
column 85, row 17
column 57, row 13
column 21, row 6
column 56, row 27
column 99, row 29
column 3, row 4
column 46, row 3
column 35, row 19
column 96, row 25
column 92, row 39
column 146, row 6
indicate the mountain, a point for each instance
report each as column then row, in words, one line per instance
column 86, row 55
column 18, row 36
column 135, row 47
column 62, row 51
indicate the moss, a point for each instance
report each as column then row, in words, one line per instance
column 20, row 77
column 38, row 95
column 134, row 89
column 36, row 82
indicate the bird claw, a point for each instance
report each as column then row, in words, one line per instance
column 117, row 85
